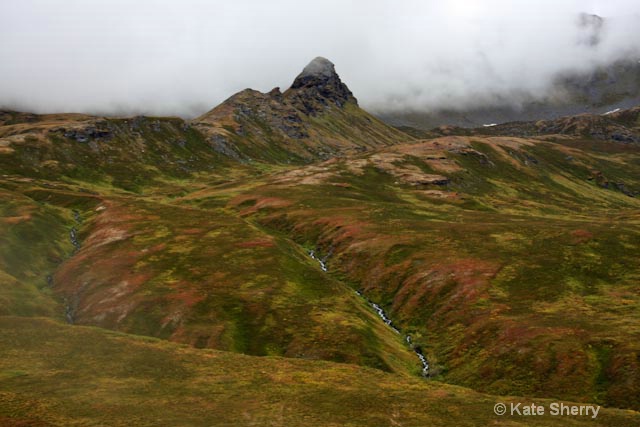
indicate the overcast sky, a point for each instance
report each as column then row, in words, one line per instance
column 184, row 57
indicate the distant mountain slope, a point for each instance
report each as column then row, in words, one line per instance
column 604, row 89
column 619, row 126
column 125, row 153
column 317, row 118
column 615, row 126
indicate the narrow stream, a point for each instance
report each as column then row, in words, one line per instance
column 417, row 350
column 323, row 264
column 73, row 234
column 71, row 305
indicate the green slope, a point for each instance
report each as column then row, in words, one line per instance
column 58, row 375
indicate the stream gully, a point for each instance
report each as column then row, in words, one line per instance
column 71, row 305
column 382, row 315
column 322, row 262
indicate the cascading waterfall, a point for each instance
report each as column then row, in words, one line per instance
column 381, row 313
column 322, row 262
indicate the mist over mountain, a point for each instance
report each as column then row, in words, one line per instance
column 157, row 57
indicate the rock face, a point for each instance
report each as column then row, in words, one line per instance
column 317, row 117
column 317, row 86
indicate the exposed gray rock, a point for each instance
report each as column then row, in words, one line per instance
column 318, row 87
column 87, row 134
column 221, row 145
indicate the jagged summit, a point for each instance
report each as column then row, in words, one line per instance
column 318, row 86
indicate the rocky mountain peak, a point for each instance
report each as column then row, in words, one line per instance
column 256, row 125
column 318, row 86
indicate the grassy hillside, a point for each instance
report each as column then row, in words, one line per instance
column 126, row 154
column 512, row 262
column 89, row 377
column 199, row 276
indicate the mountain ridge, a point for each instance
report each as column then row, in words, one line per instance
column 317, row 117
column 605, row 88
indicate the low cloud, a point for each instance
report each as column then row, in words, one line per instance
column 182, row 58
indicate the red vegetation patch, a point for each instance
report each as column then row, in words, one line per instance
column 258, row 243
column 12, row 220
column 261, row 203
column 456, row 286
column 238, row 200
column 157, row 248
column 184, row 296
column 580, row 236
column 339, row 230
column 106, row 235
column 111, row 298
column 438, row 194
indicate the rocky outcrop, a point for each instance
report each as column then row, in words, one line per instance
column 318, row 87
column 88, row 134
column 94, row 130
column 8, row 117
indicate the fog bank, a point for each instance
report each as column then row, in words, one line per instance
column 182, row 58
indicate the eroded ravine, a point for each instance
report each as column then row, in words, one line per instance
column 71, row 303
column 382, row 315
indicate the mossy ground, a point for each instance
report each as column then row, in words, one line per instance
column 89, row 377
